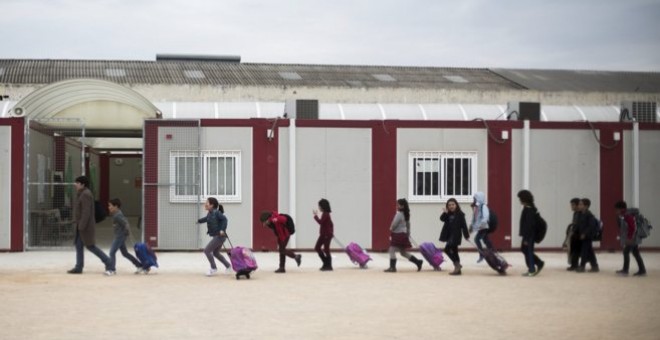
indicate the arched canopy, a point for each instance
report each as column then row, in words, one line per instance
column 98, row 104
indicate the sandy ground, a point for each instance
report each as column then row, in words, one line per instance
column 40, row 301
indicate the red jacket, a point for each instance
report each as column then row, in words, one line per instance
column 632, row 225
column 326, row 228
column 278, row 224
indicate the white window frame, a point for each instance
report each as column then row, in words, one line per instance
column 441, row 157
column 206, row 157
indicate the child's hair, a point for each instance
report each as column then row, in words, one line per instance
column 575, row 201
column 324, row 204
column 621, row 205
column 458, row 207
column 265, row 215
column 586, row 202
column 406, row 209
column 83, row 180
column 213, row 201
column 116, row 202
column 526, row 197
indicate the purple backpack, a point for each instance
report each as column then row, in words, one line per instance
column 357, row 254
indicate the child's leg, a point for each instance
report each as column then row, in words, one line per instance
column 210, row 248
column 128, row 255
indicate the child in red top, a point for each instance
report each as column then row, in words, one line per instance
column 277, row 223
column 325, row 234
column 628, row 237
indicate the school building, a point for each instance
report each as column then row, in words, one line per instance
column 164, row 135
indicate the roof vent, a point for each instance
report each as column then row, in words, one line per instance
column 302, row 108
column 523, row 111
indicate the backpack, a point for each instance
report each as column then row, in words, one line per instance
column 541, row 227
column 290, row 226
column 492, row 221
column 598, row 229
column 99, row 212
column 642, row 225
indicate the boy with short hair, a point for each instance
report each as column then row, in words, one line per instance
column 573, row 241
column 629, row 238
column 587, row 229
column 121, row 231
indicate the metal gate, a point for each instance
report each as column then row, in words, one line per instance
column 172, row 182
column 54, row 157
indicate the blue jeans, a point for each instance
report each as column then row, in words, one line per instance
column 530, row 258
column 482, row 235
column 120, row 244
column 80, row 254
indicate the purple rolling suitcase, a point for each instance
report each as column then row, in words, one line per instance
column 242, row 261
column 357, row 255
column 432, row 254
column 495, row 260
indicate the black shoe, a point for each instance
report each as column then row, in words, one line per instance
column 390, row 270
column 640, row 274
column 594, row 270
column 571, row 268
column 539, row 267
column 580, row 270
column 622, row 272
column 280, row 270
column 298, row 259
column 74, row 271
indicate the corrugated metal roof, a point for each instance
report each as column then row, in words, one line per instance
column 180, row 72
column 584, row 81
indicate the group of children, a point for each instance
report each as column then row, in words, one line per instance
column 583, row 230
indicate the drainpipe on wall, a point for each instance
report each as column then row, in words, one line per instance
column 292, row 176
column 635, row 165
column 526, row 154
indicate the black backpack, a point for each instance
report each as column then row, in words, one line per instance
column 541, row 227
column 492, row 221
column 290, row 226
column 99, row 212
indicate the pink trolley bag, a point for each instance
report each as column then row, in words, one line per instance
column 495, row 260
column 242, row 261
column 357, row 255
column 432, row 254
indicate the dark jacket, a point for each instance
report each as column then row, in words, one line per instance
column 84, row 217
column 215, row 222
column 454, row 225
column 587, row 224
column 528, row 223
column 120, row 224
column 326, row 228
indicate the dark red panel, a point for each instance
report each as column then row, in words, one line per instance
column 499, row 183
column 17, row 183
column 150, row 164
column 383, row 182
column 611, row 184
column 104, row 175
column 264, row 181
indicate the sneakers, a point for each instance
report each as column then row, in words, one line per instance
column 211, row 272
column 228, row 271
column 298, row 259
column 480, row 259
column 528, row 274
column 140, row 270
column 622, row 272
column 110, row 273
column 74, row 271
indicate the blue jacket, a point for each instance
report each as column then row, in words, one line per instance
column 215, row 222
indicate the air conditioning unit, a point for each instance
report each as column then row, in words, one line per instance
column 17, row 112
column 523, row 111
column 638, row 111
column 302, row 108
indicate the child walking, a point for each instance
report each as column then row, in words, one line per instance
column 216, row 224
column 480, row 217
column 122, row 231
column 454, row 226
column 325, row 234
column 400, row 236
column 277, row 223
column 629, row 237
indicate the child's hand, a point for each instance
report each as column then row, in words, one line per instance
column 315, row 212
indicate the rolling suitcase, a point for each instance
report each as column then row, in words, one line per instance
column 146, row 256
column 357, row 255
column 495, row 260
column 242, row 261
column 432, row 254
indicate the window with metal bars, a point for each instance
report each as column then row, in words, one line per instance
column 438, row 176
column 196, row 175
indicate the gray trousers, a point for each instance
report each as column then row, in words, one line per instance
column 402, row 251
column 213, row 249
